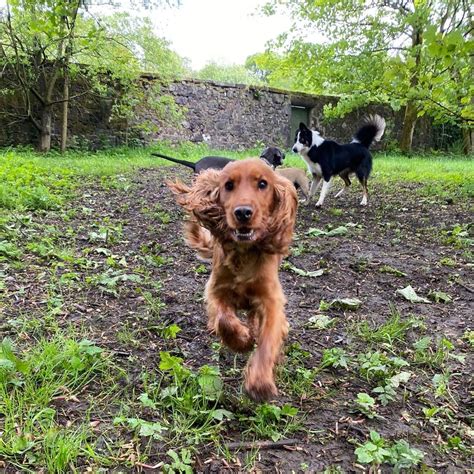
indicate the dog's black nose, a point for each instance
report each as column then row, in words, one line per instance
column 294, row 150
column 243, row 213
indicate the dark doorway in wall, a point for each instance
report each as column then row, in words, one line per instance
column 298, row 114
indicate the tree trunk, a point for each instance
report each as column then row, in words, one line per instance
column 65, row 111
column 468, row 141
column 45, row 134
column 408, row 128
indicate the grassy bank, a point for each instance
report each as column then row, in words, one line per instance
column 34, row 181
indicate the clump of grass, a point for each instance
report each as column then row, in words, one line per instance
column 32, row 437
column 392, row 331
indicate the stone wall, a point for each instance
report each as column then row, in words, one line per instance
column 236, row 117
column 230, row 117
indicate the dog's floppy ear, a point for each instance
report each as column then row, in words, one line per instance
column 303, row 126
column 283, row 216
column 201, row 198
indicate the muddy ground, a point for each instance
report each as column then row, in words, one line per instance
column 400, row 229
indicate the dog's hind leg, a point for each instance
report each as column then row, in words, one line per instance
column 347, row 182
column 365, row 191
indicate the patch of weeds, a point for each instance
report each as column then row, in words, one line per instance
column 186, row 402
column 365, row 404
column 439, row 297
column 360, row 265
column 106, row 233
column 459, row 237
column 143, row 428
column 441, row 384
column 377, row 451
column 201, row 269
column 32, row 186
column 9, row 251
column 154, row 303
column 335, row 357
column 181, row 462
column 32, row 437
column 300, row 249
column 272, row 421
column 425, row 353
column 378, row 367
column 127, row 336
column 166, row 331
column 108, row 282
column 448, row 262
column 393, row 330
column 117, row 182
column 392, row 271
column 331, row 232
column 469, row 337
column 335, row 211
column 162, row 215
column 293, row 376
column 387, row 391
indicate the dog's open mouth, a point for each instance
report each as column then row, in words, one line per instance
column 244, row 234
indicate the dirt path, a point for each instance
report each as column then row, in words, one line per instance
column 398, row 240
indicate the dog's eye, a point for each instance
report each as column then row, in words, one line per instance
column 229, row 185
column 262, row 184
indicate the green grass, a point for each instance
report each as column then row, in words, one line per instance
column 32, row 181
column 33, row 436
column 437, row 174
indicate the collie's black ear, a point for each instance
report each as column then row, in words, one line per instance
column 303, row 126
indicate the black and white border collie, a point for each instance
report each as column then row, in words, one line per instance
column 326, row 158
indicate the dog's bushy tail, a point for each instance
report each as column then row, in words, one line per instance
column 372, row 130
column 199, row 239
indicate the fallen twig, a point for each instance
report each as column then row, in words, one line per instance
column 282, row 444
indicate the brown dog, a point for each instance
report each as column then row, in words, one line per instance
column 299, row 179
column 243, row 217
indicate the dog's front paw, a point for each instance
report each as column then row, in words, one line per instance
column 235, row 335
column 261, row 391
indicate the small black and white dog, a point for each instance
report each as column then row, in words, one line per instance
column 326, row 158
column 273, row 156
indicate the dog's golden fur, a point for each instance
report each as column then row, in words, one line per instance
column 298, row 177
column 245, row 259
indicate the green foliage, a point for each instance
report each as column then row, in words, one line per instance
column 32, row 436
column 186, row 402
column 377, row 451
column 272, row 421
column 233, row 74
column 387, row 55
column 392, row 331
column 105, row 56
column 335, row 357
column 366, row 405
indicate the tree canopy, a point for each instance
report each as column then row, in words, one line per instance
column 48, row 42
column 415, row 54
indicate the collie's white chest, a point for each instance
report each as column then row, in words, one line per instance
column 313, row 168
